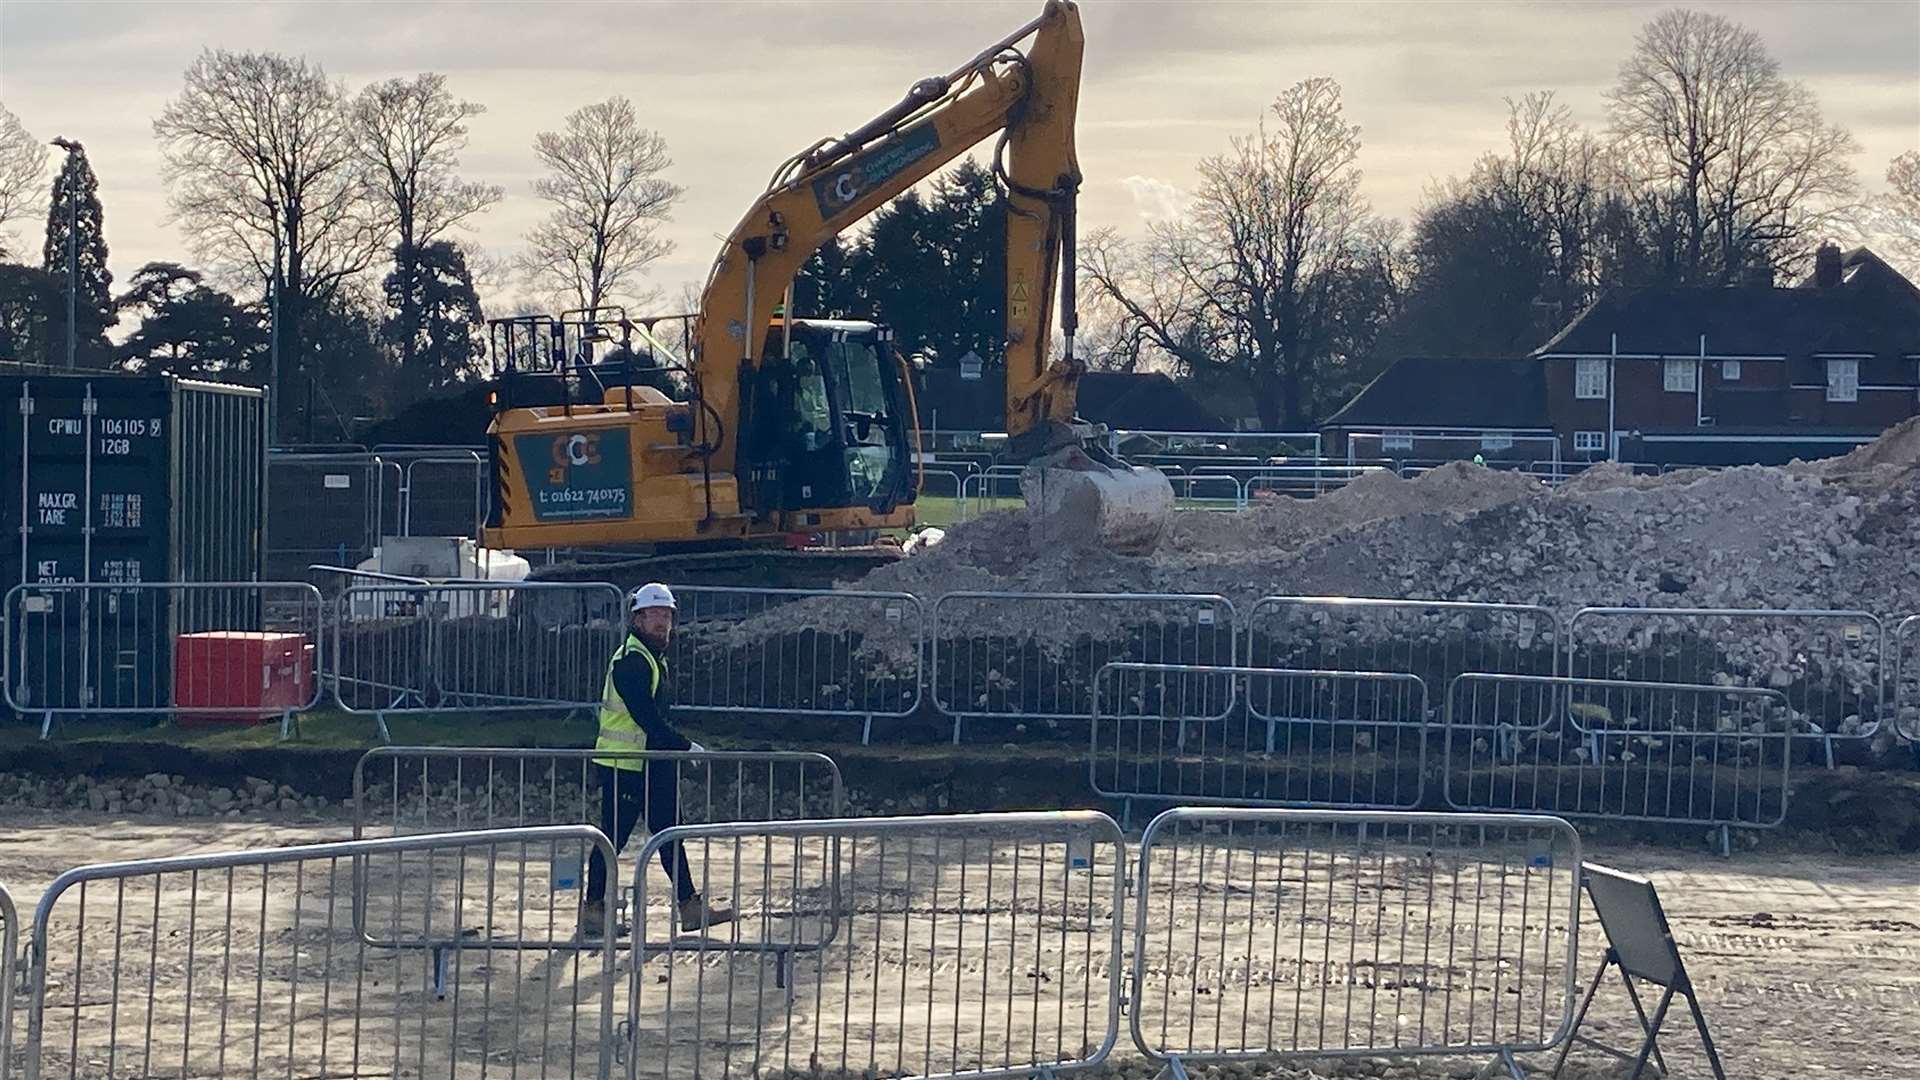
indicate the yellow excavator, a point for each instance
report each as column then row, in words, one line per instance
column 745, row 424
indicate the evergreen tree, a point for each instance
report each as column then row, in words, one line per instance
column 32, row 303
column 187, row 328
column 434, row 319
column 75, row 206
column 932, row 266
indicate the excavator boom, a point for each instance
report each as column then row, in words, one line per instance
column 778, row 436
column 1077, row 491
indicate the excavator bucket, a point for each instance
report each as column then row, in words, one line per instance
column 1075, row 501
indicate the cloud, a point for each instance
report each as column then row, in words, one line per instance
column 1165, row 85
column 1155, row 199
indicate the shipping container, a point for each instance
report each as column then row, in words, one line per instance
column 129, row 478
column 121, row 479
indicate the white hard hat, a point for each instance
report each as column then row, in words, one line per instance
column 652, row 595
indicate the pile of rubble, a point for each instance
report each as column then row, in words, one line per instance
column 1830, row 534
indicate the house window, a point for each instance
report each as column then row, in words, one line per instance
column 1729, row 371
column 1590, row 378
column 1589, row 442
column 1843, row 380
column 1494, row 440
column 1679, row 376
column 1397, row 440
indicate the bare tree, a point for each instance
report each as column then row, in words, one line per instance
column 23, row 162
column 409, row 134
column 261, row 161
column 608, row 200
column 1725, row 160
column 1892, row 219
column 1277, row 278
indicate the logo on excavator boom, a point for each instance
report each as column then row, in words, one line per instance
column 840, row 189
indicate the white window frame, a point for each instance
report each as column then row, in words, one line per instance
column 1496, row 440
column 1843, row 380
column 1589, row 442
column 1680, row 376
column 1729, row 371
column 1396, row 440
column 1590, row 378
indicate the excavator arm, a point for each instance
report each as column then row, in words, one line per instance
column 1029, row 99
column 827, row 189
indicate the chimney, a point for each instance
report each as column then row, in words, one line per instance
column 1757, row 274
column 1826, row 266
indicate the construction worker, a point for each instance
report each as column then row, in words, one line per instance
column 634, row 715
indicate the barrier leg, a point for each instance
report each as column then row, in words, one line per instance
column 1651, row 1027
column 1580, row 1016
column 866, row 731
column 1706, row 1039
column 380, row 728
column 1653, row 1034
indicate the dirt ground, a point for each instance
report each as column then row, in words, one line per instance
column 1804, row 962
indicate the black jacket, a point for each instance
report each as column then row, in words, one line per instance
column 652, row 711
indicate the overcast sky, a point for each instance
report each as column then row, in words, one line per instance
column 736, row 87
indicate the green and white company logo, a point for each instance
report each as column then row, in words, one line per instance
column 839, row 189
column 586, row 475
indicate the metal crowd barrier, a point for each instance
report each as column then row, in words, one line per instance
column 251, row 962
column 442, row 512
column 975, row 945
column 410, row 790
column 1208, row 491
column 473, row 647
column 1437, row 640
column 988, row 661
column 934, row 484
column 1302, row 481
column 1305, row 738
column 1903, row 691
column 9, row 953
column 206, row 650
column 1291, row 934
column 787, row 652
column 986, row 490
column 328, row 507
column 1829, row 663
column 1618, row 749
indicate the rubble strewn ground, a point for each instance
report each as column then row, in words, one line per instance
column 1828, row 534
column 1835, row 534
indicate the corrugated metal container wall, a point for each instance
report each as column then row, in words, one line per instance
column 219, row 482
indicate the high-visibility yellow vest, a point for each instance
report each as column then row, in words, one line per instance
column 618, row 730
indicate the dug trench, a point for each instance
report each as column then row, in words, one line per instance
column 1849, row 809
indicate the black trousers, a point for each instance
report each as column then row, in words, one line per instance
column 625, row 796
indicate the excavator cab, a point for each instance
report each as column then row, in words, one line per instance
column 826, row 420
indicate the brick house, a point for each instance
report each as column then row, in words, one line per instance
column 1738, row 375
column 1422, row 410
column 1671, row 376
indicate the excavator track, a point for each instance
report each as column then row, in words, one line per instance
column 766, row 568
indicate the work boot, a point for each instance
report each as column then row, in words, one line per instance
column 696, row 915
column 593, row 918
